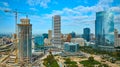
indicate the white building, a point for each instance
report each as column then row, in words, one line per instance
column 80, row 41
column 57, row 31
column 117, row 39
column 49, row 36
column 46, row 42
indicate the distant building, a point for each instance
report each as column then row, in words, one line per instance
column 57, row 31
column 73, row 34
column 80, row 41
column 25, row 40
column 86, row 34
column 46, row 42
column 14, row 36
column 92, row 37
column 68, row 38
column 50, row 36
column 71, row 47
column 45, row 35
column 117, row 39
column 39, row 42
column 104, row 28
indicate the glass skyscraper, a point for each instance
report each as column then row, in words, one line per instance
column 39, row 42
column 86, row 34
column 73, row 34
column 104, row 28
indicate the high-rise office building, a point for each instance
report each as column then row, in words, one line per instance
column 57, row 31
column 68, row 38
column 117, row 39
column 25, row 40
column 45, row 35
column 49, row 34
column 73, row 34
column 86, row 34
column 39, row 42
column 104, row 28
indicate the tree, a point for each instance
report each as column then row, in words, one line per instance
column 91, row 58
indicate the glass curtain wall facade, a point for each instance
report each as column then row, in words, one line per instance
column 39, row 42
column 104, row 28
column 86, row 34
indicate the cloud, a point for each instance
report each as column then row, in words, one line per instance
column 79, row 16
column 42, row 3
column 5, row 4
column 115, row 9
column 4, row 8
column 83, row 13
column 33, row 9
column 117, row 19
column 105, row 4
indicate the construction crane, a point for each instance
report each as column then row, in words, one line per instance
column 16, row 16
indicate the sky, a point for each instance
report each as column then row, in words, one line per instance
column 75, row 14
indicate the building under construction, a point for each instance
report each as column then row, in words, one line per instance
column 25, row 41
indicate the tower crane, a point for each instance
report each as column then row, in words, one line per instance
column 16, row 16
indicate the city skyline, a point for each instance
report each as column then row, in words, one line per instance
column 75, row 17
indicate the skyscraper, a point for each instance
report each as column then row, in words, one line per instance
column 117, row 39
column 50, row 34
column 68, row 38
column 45, row 35
column 104, row 28
column 86, row 34
column 25, row 40
column 39, row 42
column 57, row 30
column 73, row 34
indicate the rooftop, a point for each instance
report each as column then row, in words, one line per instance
column 70, row 43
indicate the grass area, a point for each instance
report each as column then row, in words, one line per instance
column 70, row 63
column 90, row 50
column 87, row 62
column 50, row 61
column 90, row 62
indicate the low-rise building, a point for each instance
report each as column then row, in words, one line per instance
column 71, row 47
column 80, row 41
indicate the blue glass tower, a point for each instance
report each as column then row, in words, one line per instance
column 104, row 28
column 39, row 42
column 86, row 34
column 45, row 35
column 73, row 34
